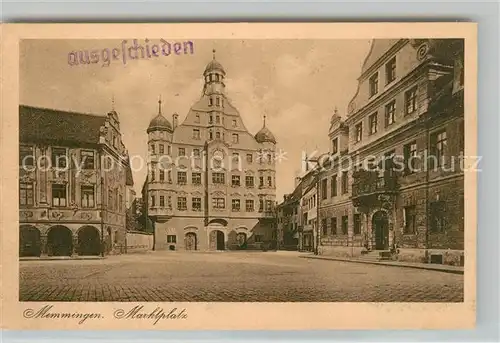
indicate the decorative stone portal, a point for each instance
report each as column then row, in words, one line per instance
column 29, row 241
column 89, row 242
column 59, row 241
column 190, row 241
column 380, row 229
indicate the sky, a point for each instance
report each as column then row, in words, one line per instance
column 297, row 84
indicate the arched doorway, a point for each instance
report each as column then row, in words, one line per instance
column 29, row 241
column 190, row 241
column 217, row 240
column 241, row 240
column 59, row 241
column 380, row 228
column 89, row 242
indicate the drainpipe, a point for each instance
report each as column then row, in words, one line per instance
column 102, row 215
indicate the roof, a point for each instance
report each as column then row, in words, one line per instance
column 214, row 65
column 265, row 135
column 43, row 124
column 128, row 174
column 159, row 123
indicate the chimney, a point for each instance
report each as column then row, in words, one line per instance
column 175, row 120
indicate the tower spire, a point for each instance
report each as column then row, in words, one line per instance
column 264, row 119
column 213, row 54
column 113, row 102
column 159, row 104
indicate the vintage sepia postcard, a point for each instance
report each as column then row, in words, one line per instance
column 239, row 176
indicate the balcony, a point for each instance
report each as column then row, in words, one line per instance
column 369, row 186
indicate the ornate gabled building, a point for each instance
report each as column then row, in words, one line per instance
column 401, row 189
column 211, row 184
column 75, row 183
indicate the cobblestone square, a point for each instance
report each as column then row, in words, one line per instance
column 231, row 277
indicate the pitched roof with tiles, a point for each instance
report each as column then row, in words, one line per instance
column 58, row 126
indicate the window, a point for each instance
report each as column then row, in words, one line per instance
column 217, row 135
column 390, row 71
column 210, row 119
column 161, row 148
column 438, row 223
column 234, row 123
column 196, row 204
column 345, row 224
column 171, row 239
column 344, row 184
column 59, row 157
column 235, row 180
column 373, row 84
column 88, row 196
column 196, row 178
column 169, row 176
column 249, row 205
column 410, row 154
column 324, row 189
column 196, row 134
column 249, row 181
column 152, row 148
column 359, row 132
column 235, row 205
column 211, row 135
column 236, row 158
column 58, row 195
column 162, row 201
column 333, row 185
column 236, row 138
column 269, row 181
column 258, row 238
column 26, row 194
column 153, row 175
column 87, row 159
column 182, row 152
column 269, row 205
column 357, row 224
column 210, row 102
column 162, row 175
column 390, row 112
column 410, row 220
column 217, row 119
column 411, row 100
column 372, row 120
column 169, row 150
column 261, row 205
column 333, row 223
column 261, row 181
column 324, row 227
column 218, row 178
column 217, row 100
column 197, row 118
column 218, row 203
column 249, row 158
column 181, row 178
column 335, row 146
column 26, row 156
column 438, row 147
column 196, row 152
column 181, row 203
column 153, row 201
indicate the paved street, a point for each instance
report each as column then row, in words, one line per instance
column 231, row 276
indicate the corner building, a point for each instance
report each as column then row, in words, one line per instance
column 74, row 183
column 408, row 110
column 211, row 184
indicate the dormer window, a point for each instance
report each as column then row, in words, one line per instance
column 335, row 146
column 373, row 84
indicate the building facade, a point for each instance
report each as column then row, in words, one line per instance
column 211, row 184
column 74, row 182
column 393, row 180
